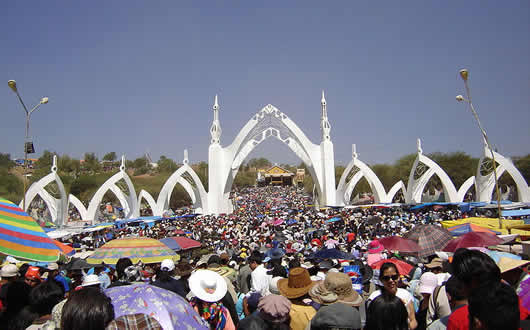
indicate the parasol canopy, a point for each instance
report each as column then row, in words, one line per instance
column 430, row 238
column 403, row 267
column 168, row 308
column 472, row 239
column 65, row 249
column 178, row 243
column 147, row 250
column 22, row 237
column 465, row 228
column 332, row 254
column 397, row 243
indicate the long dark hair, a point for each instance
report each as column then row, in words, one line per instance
column 89, row 309
column 386, row 312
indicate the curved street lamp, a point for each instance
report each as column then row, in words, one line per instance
column 28, row 146
column 464, row 74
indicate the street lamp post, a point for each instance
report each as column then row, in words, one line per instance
column 464, row 73
column 28, row 146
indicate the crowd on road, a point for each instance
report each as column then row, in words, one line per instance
column 277, row 262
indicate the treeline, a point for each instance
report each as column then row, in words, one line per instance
column 83, row 178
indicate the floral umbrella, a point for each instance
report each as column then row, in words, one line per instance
column 168, row 308
column 147, row 250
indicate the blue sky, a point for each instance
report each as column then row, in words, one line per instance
column 137, row 76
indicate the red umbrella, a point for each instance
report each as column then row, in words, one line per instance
column 397, row 243
column 403, row 267
column 179, row 232
column 473, row 239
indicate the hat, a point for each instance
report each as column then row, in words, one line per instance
column 435, row 263
column 275, row 253
column 9, row 270
column 273, row 285
column 274, row 308
column 207, row 285
column 375, row 247
column 91, row 280
column 167, row 265
column 507, row 264
column 336, row 315
column 298, row 284
column 243, row 255
column 326, row 264
column 253, row 299
column 134, row 321
column 321, row 295
column 33, row 273
column 341, row 285
column 53, row 266
column 428, row 282
column 306, row 265
column 132, row 274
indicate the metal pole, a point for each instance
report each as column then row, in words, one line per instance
column 489, row 147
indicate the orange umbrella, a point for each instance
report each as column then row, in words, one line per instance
column 67, row 250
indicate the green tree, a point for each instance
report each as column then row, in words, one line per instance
column 91, row 162
column 110, row 157
column 458, row 165
column 523, row 165
column 6, row 162
column 386, row 173
column 166, row 165
column 259, row 163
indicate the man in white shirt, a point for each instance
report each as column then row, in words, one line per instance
column 259, row 280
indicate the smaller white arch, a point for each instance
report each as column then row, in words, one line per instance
column 78, row 206
column 150, row 201
column 395, row 188
column 465, row 187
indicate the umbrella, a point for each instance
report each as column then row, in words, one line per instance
column 180, row 243
column 524, row 294
column 278, row 222
column 465, row 228
column 332, row 254
column 291, row 221
column 22, row 237
column 168, row 308
column 497, row 255
column 78, row 264
column 333, row 220
column 179, row 232
column 403, row 267
column 430, row 238
column 147, row 250
column 397, row 243
column 65, row 249
column 331, row 243
column 472, row 239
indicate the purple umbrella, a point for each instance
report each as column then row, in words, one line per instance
column 168, row 308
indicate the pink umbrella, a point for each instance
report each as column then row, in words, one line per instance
column 331, row 243
column 472, row 239
column 397, row 243
column 278, row 222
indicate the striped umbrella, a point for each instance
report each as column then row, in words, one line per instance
column 430, row 238
column 178, row 243
column 465, row 228
column 147, row 250
column 22, row 237
column 66, row 249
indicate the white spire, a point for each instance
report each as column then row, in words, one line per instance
column 323, row 100
column 215, row 129
column 185, row 161
column 122, row 166
column 354, row 151
column 324, row 122
column 418, row 143
column 54, row 164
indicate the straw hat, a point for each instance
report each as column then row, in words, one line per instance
column 298, row 284
column 507, row 264
column 341, row 285
column 9, row 270
column 207, row 285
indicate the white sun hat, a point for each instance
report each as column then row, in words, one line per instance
column 91, row 280
column 207, row 285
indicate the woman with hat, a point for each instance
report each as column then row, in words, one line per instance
column 296, row 289
column 209, row 288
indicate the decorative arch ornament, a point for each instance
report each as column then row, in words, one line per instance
column 58, row 206
column 128, row 202
column 224, row 163
column 484, row 184
column 345, row 189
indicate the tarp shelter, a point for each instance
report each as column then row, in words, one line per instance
column 490, row 223
column 516, row 213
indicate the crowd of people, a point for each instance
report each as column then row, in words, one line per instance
column 278, row 263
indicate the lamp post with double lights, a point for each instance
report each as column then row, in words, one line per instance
column 464, row 74
column 28, row 145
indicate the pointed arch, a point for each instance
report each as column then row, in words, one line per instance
column 464, row 188
column 415, row 186
column 110, row 184
column 57, row 206
column 485, row 184
column 197, row 194
column 78, row 205
column 271, row 122
column 150, row 201
column 395, row 188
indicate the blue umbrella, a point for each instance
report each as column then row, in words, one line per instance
column 171, row 244
column 333, row 220
column 291, row 221
column 332, row 254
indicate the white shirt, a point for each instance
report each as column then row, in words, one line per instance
column 260, row 280
column 402, row 294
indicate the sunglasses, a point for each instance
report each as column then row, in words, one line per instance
column 387, row 278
